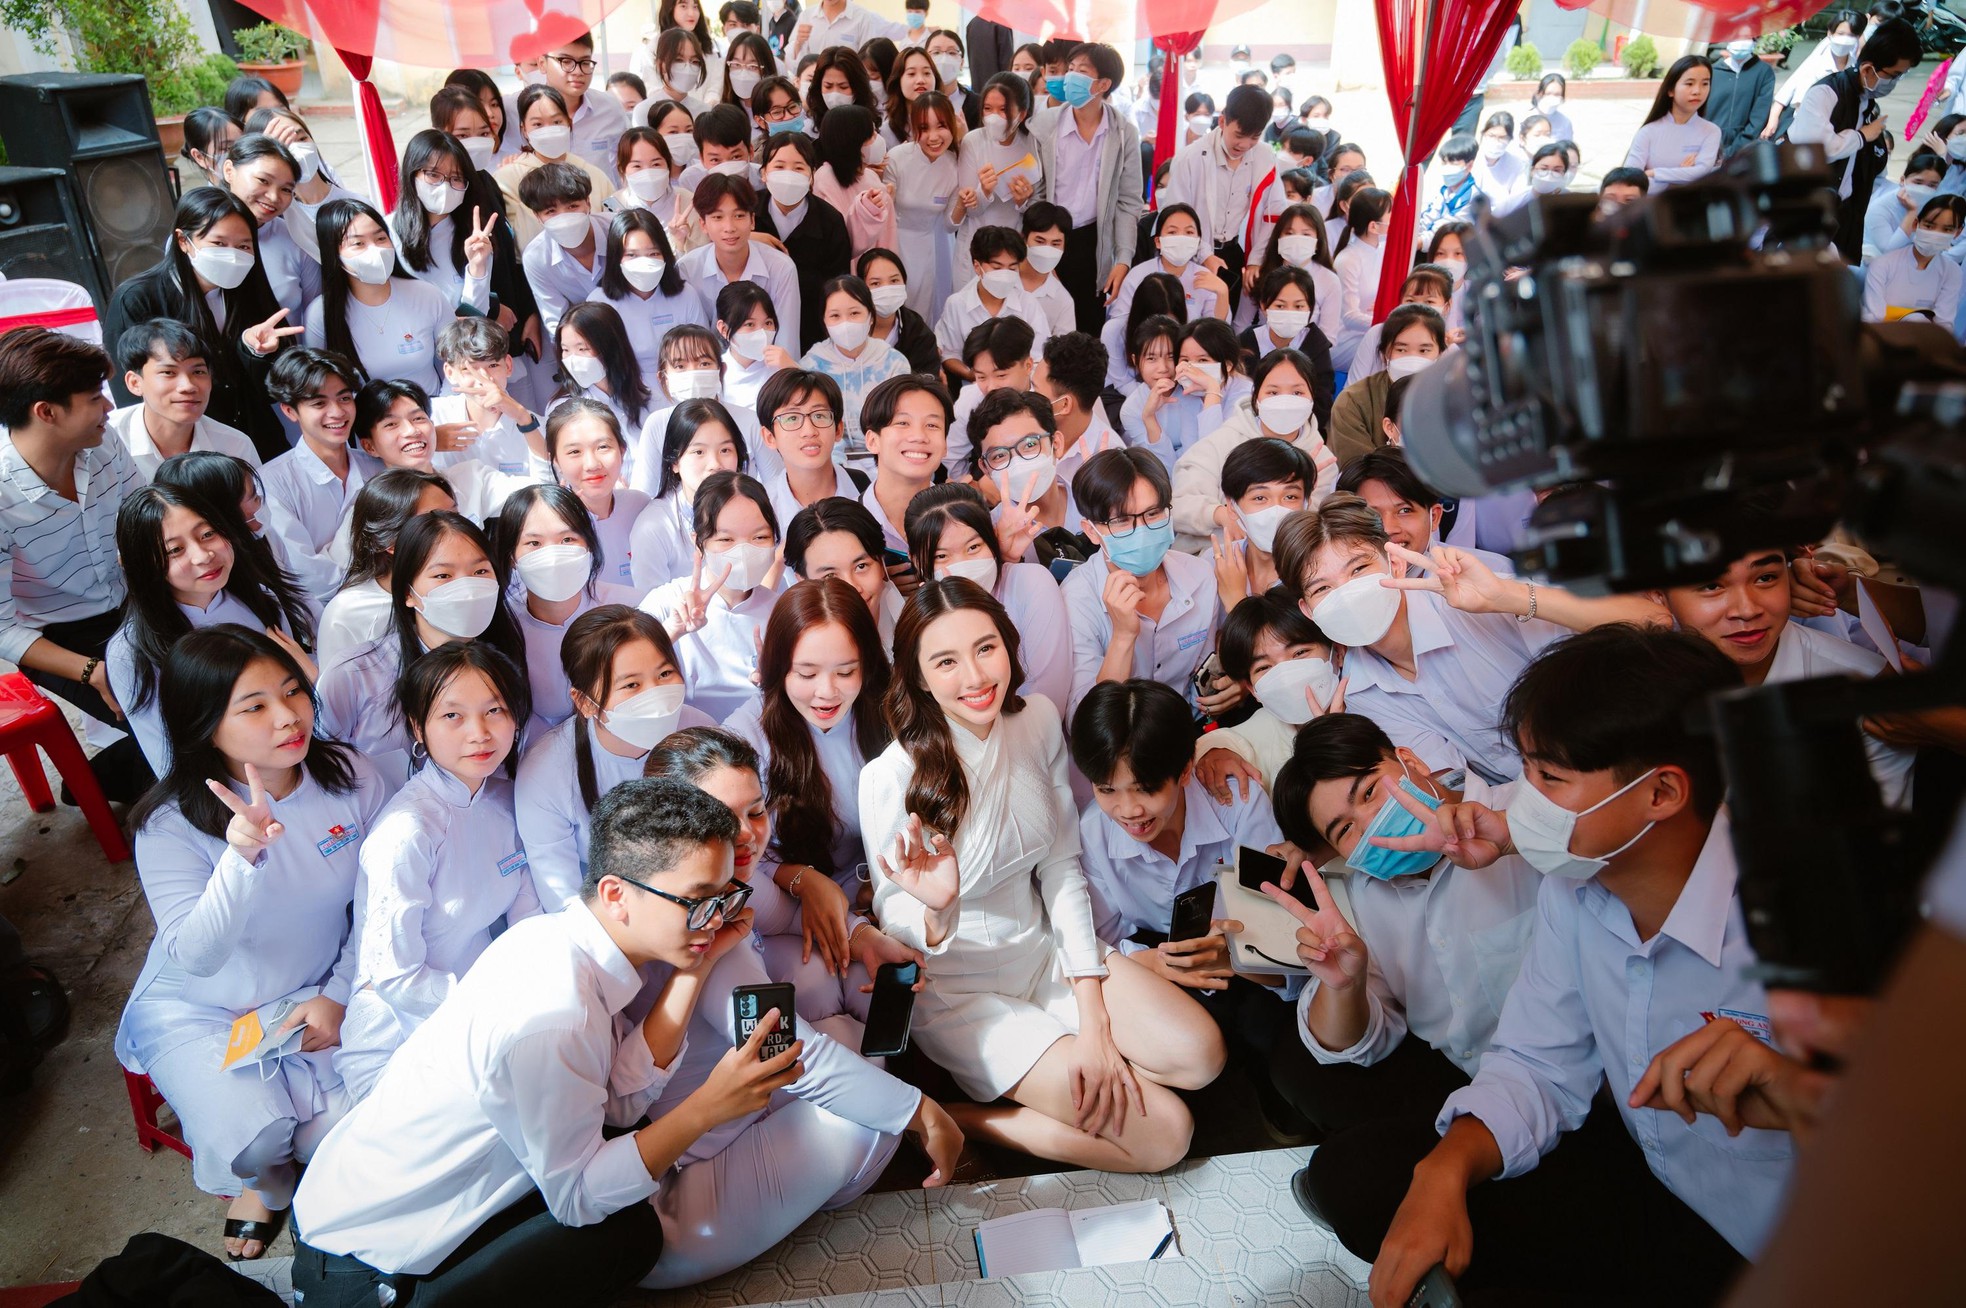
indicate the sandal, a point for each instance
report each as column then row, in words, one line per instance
column 266, row 1232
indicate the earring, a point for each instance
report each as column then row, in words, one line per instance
column 417, row 752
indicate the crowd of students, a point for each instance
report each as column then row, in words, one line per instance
column 802, row 513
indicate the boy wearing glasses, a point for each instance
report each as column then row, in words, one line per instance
column 598, row 120
column 799, row 416
column 1015, row 465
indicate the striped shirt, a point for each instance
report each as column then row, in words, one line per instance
column 60, row 554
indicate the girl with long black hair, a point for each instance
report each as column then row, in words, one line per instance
column 359, row 610
column 371, row 310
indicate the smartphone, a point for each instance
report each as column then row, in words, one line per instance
column 749, row 1004
column 894, row 558
column 1207, row 674
column 1194, row 910
column 890, row 1010
column 1435, row 1290
column 1255, row 866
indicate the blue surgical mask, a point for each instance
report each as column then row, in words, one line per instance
column 1076, row 90
column 789, row 125
column 1140, row 550
column 1393, row 821
column 1055, row 87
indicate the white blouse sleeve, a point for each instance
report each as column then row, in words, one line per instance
column 1061, row 881
column 201, row 905
column 882, row 811
column 398, row 862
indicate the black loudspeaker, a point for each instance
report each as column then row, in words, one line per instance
column 97, row 128
column 38, row 225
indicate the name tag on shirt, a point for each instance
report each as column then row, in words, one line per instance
column 1192, row 639
column 339, row 837
column 513, row 862
column 1755, row 1024
column 939, row 200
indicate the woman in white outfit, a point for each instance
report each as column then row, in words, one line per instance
column 925, row 177
column 973, row 840
column 359, row 611
column 442, row 869
column 999, row 163
column 249, row 913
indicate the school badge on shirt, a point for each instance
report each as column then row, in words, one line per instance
column 1755, row 1024
column 340, row 836
column 513, row 862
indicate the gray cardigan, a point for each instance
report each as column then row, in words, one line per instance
column 1119, row 178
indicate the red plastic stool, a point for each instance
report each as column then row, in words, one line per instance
column 27, row 720
column 144, row 1102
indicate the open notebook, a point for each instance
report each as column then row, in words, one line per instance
column 1053, row 1239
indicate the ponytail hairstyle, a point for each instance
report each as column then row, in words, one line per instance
column 587, row 657
column 600, row 325
column 383, row 507
column 195, row 694
column 417, row 541
column 1369, row 204
column 937, row 792
column 226, row 479
column 420, row 683
column 798, row 791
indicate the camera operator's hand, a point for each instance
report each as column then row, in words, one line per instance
column 1817, row 588
column 1723, row 1071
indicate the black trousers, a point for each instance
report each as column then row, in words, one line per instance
column 1409, row 1082
column 1082, row 277
column 1232, row 254
column 1590, row 1224
column 521, row 1257
column 120, row 769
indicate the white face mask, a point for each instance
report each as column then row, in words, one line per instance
column 1542, row 828
column 889, row 298
column 550, row 142
column 982, row 570
column 1548, row 183
column 947, row 66
column 1549, row 104
column 1199, row 123
column 684, row 77
column 1026, row 476
column 309, row 160
column 1843, row 45
column 644, row 718
column 733, row 168
column 848, row 335
column 644, row 272
column 787, row 187
column 221, row 267
column 372, row 266
column 1211, row 370
column 1284, row 414
column 1261, row 526
column 1281, row 688
column 1931, row 243
column 481, row 149
column 996, row 126
column 1044, row 258
column 752, row 344
column 682, row 148
column 1916, row 194
column 585, row 369
column 1458, row 267
column 569, row 229
column 874, row 152
column 1492, row 149
column 695, row 384
column 533, row 76
column 650, row 184
column 1000, row 282
column 1284, row 324
column 438, row 197
column 555, row 572
column 462, row 608
column 1179, row 250
column 747, row 563
column 1358, row 612
column 880, row 95
column 743, row 81
column 835, row 99
column 1406, row 365
column 1297, row 251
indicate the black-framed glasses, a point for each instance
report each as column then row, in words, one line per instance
column 821, row 420
column 1029, row 448
column 702, row 912
column 435, row 178
column 1125, row 524
column 573, row 63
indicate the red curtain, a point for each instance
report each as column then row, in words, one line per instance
column 1167, row 124
column 1435, row 55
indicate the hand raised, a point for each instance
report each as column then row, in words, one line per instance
column 924, row 865
column 1018, row 524
column 253, row 827
column 1459, row 577
column 265, row 338
column 1326, row 943
column 1221, row 769
column 1122, row 596
column 693, row 610
column 1471, row 835
column 478, row 247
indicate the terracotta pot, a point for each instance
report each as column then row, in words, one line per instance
column 285, row 75
column 170, row 135
column 1774, row 57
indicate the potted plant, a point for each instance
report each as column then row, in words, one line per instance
column 1582, row 56
column 273, row 52
column 1774, row 47
column 1641, row 58
column 1525, row 63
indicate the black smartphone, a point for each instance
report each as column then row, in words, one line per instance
column 890, row 1010
column 1435, row 1290
column 1207, row 673
column 894, row 558
column 749, row 1004
column 1255, row 866
column 1194, row 910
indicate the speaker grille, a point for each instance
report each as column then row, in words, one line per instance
column 43, row 252
column 130, row 204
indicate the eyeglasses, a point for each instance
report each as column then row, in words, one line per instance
column 1127, row 523
column 435, row 178
column 751, row 67
column 998, row 459
column 702, row 912
column 821, row 420
column 573, row 64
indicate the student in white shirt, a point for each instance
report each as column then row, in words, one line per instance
column 1360, row 254
column 585, row 449
column 263, row 172
column 700, row 438
column 639, row 277
column 393, row 427
column 549, row 133
column 1141, row 609
column 1280, row 408
column 1498, row 170
column 716, row 613
column 1262, row 482
column 839, row 22
column 727, row 208
column 1179, row 253
column 1070, row 373
column 969, row 824
column 992, row 159
column 995, row 255
column 1187, row 392
column 748, row 322
column 929, row 200
column 1674, row 145
column 358, row 611
column 1639, row 970
column 164, row 366
column 1021, row 478
column 1894, row 205
column 855, row 359
column 1303, row 242
column 679, row 70
column 907, row 431
column 247, row 854
column 189, row 562
column 1427, row 284
column 442, row 869
column 596, row 120
column 648, row 184
column 368, row 313
column 598, row 362
column 480, row 418
column 1044, row 225
column 800, row 417
column 1282, row 661
column 1411, row 511
column 312, row 488
column 563, row 263
column 443, row 219
column 997, row 353
column 1919, row 280
column 692, row 368
column 478, row 1167
column 839, row 538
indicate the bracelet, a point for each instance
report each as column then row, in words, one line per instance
column 1531, row 615
column 792, row 886
column 529, row 427
column 89, row 670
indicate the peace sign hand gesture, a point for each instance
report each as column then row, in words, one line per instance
column 478, row 244
column 253, row 827
column 694, row 610
column 1460, row 578
column 1471, row 835
column 1017, row 525
column 266, row 337
column 1337, row 704
column 1326, row 943
column 924, row 865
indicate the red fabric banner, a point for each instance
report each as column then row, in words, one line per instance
column 1167, row 124
column 1710, row 20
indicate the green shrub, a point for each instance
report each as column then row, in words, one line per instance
column 1582, row 56
column 1525, row 62
column 1777, row 42
column 269, row 43
column 1641, row 57
column 151, row 38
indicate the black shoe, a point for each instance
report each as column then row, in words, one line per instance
column 1300, row 1189
column 1279, row 1117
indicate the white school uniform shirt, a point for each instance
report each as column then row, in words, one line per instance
column 965, row 310
column 555, row 273
column 358, row 707
column 1060, row 311
column 662, row 543
column 838, row 751
column 305, row 505
column 479, row 489
column 353, row 618
column 1444, row 948
column 1168, row 649
column 293, row 273
column 1223, row 192
column 1467, row 662
column 1357, row 266
column 1119, row 373
column 617, row 533
column 1896, row 287
column 450, row 278
column 719, row 657
column 769, row 268
column 208, row 435
column 743, row 381
column 528, row 1054
column 1201, row 304
column 1675, row 153
column 853, row 28
column 878, row 362
column 551, row 704
column 502, row 446
column 1503, row 178
column 645, row 473
column 924, row 237
column 648, row 320
column 441, row 868
column 891, row 533
column 1098, row 437
column 1804, row 652
column 1198, row 472
column 976, row 152
column 1593, row 1003
column 147, row 723
column 60, row 554
column 1263, row 740
column 786, row 505
column 1184, row 418
column 597, row 128
column 394, row 339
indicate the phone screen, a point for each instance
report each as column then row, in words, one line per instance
column 1255, row 866
column 891, row 1010
column 749, row 1004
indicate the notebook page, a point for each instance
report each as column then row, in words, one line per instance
column 1122, row 1233
column 1039, row 1241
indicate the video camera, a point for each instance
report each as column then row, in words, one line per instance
column 1643, row 371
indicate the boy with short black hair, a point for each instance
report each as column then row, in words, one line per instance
column 1620, row 187
column 1072, row 375
column 164, row 366
column 723, row 141
column 311, row 489
column 482, row 419
column 563, row 263
column 1044, row 226
column 1450, row 187
column 1413, row 513
column 598, row 120
column 1282, row 661
column 997, row 353
column 905, row 422
column 996, row 254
